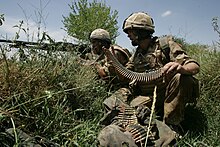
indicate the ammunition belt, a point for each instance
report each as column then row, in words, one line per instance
column 126, row 116
column 140, row 77
column 139, row 134
column 128, row 120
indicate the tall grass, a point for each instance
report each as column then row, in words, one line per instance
column 53, row 96
column 202, row 121
column 50, row 94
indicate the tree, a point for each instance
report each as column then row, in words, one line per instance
column 85, row 17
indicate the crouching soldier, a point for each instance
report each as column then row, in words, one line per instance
column 100, row 39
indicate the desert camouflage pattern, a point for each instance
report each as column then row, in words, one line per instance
column 127, row 113
column 139, row 20
column 100, row 34
column 173, row 92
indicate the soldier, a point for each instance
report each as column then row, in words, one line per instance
column 100, row 38
column 172, row 94
column 178, row 68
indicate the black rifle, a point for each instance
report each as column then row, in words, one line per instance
column 55, row 46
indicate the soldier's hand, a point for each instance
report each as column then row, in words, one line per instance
column 101, row 71
column 104, row 51
column 111, row 49
column 173, row 68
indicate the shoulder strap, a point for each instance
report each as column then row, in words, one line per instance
column 164, row 45
column 164, row 41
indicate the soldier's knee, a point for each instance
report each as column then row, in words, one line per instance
column 113, row 136
column 180, row 79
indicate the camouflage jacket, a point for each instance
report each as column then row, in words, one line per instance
column 161, row 51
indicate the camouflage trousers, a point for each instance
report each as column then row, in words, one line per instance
column 115, row 136
column 182, row 89
column 128, row 123
column 171, row 96
column 179, row 90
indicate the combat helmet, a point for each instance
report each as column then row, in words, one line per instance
column 139, row 20
column 100, row 34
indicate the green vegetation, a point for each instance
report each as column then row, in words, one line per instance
column 53, row 96
column 202, row 121
column 83, row 17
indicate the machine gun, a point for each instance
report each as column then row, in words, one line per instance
column 54, row 46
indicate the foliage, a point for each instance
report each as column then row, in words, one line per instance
column 202, row 121
column 215, row 25
column 86, row 17
column 52, row 96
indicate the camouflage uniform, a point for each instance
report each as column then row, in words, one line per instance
column 106, row 71
column 172, row 93
column 127, row 121
column 123, row 56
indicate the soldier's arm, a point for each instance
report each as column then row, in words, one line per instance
column 190, row 68
column 180, row 61
column 101, row 71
